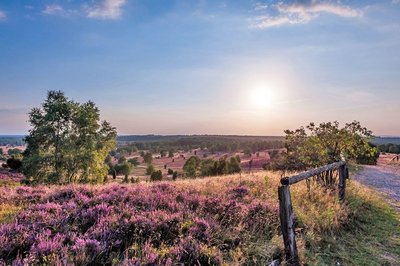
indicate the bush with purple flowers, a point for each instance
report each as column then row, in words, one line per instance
column 204, row 222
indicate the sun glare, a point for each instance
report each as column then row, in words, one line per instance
column 261, row 98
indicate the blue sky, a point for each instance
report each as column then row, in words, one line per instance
column 197, row 67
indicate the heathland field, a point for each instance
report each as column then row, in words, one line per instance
column 221, row 220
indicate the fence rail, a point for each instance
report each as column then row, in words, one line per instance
column 286, row 214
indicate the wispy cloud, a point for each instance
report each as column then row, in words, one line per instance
column 301, row 12
column 54, row 10
column 3, row 15
column 106, row 9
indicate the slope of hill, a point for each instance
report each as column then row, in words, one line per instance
column 211, row 221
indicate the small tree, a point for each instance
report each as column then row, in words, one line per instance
column 326, row 144
column 156, row 176
column 150, row 169
column 134, row 161
column 148, row 157
column 191, row 166
column 170, row 153
column 234, row 165
column 175, row 175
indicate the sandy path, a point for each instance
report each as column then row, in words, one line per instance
column 383, row 178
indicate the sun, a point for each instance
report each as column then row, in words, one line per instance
column 261, row 98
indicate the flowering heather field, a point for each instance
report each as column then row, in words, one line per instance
column 212, row 221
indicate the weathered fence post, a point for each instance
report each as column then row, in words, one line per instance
column 287, row 225
column 342, row 181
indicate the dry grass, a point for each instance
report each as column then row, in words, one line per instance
column 363, row 231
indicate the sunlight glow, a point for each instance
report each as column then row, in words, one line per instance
column 261, row 98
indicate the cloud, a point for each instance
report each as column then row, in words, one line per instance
column 106, row 9
column 54, row 10
column 301, row 12
column 3, row 15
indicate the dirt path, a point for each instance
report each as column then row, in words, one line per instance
column 383, row 178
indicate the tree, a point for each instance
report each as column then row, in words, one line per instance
column 315, row 146
column 156, row 176
column 14, row 162
column 234, row 165
column 163, row 153
column 14, row 151
column 150, row 169
column 147, row 157
column 67, row 142
column 134, row 161
column 170, row 153
column 191, row 166
column 122, row 159
column 1, row 151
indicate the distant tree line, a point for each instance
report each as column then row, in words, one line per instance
column 390, row 148
column 12, row 140
column 212, row 145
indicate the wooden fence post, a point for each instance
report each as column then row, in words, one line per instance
column 287, row 225
column 343, row 172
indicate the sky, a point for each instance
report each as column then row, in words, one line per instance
column 204, row 67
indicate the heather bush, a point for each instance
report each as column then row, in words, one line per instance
column 141, row 224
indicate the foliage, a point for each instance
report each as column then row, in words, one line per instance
column 147, row 157
column 191, row 165
column 390, row 148
column 325, row 144
column 212, row 144
column 194, row 166
column 14, row 151
column 67, row 142
column 215, row 222
column 156, row 176
column 170, row 171
column 123, row 168
column 134, row 161
column 14, row 163
column 150, row 169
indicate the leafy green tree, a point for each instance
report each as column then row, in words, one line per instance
column 170, row 153
column 122, row 159
column 314, row 146
column 150, row 169
column 234, row 165
column 207, row 167
column 1, row 151
column 175, row 175
column 191, row 166
column 134, row 161
column 67, row 142
column 14, row 151
column 14, row 162
column 156, row 176
column 147, row 157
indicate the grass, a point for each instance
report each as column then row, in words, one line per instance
column 8, row 212
column 363, row 231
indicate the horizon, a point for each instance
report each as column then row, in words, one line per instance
column 204, row 67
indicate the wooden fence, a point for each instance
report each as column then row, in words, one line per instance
column 285, row 203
